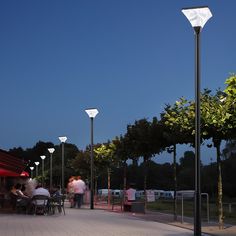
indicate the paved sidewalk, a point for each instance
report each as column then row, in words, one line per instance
column 85, row 222
column 102, row 222
column 211, row 228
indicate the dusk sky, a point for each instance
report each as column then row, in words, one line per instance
column 127, row 58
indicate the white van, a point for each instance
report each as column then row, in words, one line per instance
column 103, row 192
column 158, row 193
column 117, row 192
column 168, row 194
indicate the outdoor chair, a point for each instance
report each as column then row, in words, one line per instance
column 39, row 204
column 16, row 204
column 57, row 203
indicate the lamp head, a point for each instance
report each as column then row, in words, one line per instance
column 51, row 150
column 31, row 167
column 197, row 16
column 92, row 112
column 36, row 163
column 43, row 157
column 62, row 139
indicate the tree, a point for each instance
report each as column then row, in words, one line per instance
column 178, row 123
column 104, row 156
column 215, row 120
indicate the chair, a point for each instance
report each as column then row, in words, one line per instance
column 17, row 204
column 39, row 204
column 57, row 203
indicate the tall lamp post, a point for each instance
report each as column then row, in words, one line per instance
column 197, row 16
column 31, row 171
column 37, row 164
column 92, row 114
column 51, row 151
column 63, row 140
column 43, row 157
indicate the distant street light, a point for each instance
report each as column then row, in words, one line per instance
column 51, row 151
column 197, row 16
column 63, row 140
column 92, row 114
column 37, row 163
column 31, row 171
column 43, row 157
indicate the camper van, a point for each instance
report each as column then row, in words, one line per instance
column 117, row 192
column 103, row 192
column 158, row 193
column 168, row 195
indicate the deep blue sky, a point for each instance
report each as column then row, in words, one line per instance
column 128, row 58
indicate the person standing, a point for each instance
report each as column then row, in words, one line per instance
column 131, row 193
column 79, row 189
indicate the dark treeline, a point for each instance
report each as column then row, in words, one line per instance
column 159, row 176
column 145, row 139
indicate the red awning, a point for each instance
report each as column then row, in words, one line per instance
column 8, row 173
column 11, row 163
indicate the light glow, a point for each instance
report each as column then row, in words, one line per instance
column 63, row 139
column 51, row 150
column 197, row 16
column 36, row 163
column 92, row 112
column 43, row 157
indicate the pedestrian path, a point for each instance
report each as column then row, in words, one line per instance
column 85, row 222
column 102, row 221
column 211, row 228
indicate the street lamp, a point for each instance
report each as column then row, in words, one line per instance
column 92, row 114
column 63, row 140
column 197, row 16
column 43, row 157
column 36, row 163
column 51, row 151
column 31, row 171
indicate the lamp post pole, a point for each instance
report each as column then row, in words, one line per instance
column 36, row 163
column 92, row 114
column 43, row 157
column 31, row 171
column 51, row 151
column 63, row 140
column 197, row 17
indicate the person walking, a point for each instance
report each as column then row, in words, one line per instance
column 79, row 189
column 70, row 191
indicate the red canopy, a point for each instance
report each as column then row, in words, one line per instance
column 11, row 163
column 8, row 173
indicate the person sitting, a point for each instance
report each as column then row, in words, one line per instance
column 40, row 190
column 20, row 199
column 57, row 192
column 40, row 197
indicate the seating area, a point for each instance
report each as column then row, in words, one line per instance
column 135, row 206
column 128, row 206
column 38, row 205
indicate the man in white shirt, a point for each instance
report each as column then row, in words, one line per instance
column 131, row 194
column 40, row 191
column 79, row 189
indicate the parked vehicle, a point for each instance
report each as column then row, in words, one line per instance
column 168, row 195
column 185, row 194
column 117, row 192
column 103, row 192
column 158, row 193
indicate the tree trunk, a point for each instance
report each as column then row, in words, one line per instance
column 109, row 186
column 220, row 189
column 175, row 182
column 145, row 183
column 125, row 180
